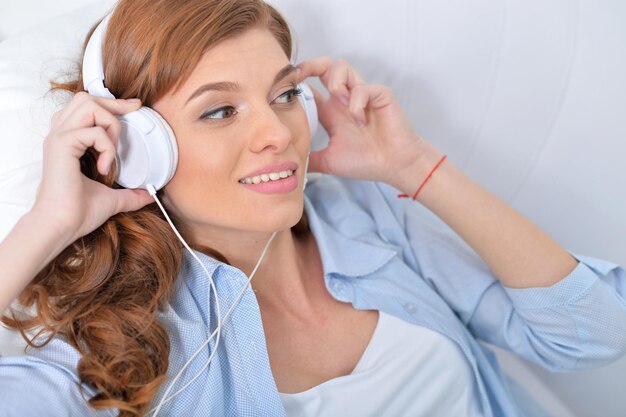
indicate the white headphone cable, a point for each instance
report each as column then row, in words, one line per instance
column 165, row 399
column 153, row 192
column 230, row 310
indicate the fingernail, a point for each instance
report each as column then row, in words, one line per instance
column 344, row 100
column 133, row 100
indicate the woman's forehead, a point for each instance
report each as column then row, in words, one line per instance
column 254, row 56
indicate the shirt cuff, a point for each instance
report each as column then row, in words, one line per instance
column 567, row 290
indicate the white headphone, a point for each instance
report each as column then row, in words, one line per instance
column 147, row 152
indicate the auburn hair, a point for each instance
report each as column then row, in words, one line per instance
column 103, row 293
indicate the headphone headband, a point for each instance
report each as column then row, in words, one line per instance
column 93, row 68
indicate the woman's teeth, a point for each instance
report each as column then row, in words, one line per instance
column 272, row 176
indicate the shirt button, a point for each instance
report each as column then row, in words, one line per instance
column 337, row 286
column 410, row 308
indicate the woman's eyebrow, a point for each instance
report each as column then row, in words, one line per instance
column 288, row 69
column 230, row 86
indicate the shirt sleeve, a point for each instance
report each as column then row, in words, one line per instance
column 578, row 323
column 32, row 387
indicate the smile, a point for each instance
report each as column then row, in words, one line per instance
column 271, row 176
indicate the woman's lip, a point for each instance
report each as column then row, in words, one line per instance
column 272, row 168
column 283, row 185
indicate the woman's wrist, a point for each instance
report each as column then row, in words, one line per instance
column 422, row 161
column 52, row 233
column 26, row 250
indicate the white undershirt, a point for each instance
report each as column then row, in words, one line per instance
column 406, row 370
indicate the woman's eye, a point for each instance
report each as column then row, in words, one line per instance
column 225, row 112
column 288, row 96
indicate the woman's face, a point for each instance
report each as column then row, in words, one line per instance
column 238, row 116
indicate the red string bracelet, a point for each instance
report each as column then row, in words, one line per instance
column 430, row 174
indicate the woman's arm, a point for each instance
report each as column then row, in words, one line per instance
column 519, row 253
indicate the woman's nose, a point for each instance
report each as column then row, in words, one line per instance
column 269, row 131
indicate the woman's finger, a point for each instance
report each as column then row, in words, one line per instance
column 78, row 140
column 324, row 110
column 314, row 67
column 342, row 79
column 338, row 81
column 318, row 161
column 89, row 115
column 337, row 76
column 116, row 106
column 364, row 96
column 81, row 100
column 76, row 102
column 130, row 200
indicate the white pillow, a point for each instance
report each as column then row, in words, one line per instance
column 19, row 15
column 28, row 61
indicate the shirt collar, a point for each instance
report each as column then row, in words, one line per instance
column 341, row 254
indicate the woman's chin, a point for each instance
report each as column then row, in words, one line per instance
column 276, row 223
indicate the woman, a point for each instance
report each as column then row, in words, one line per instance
column 363, row 305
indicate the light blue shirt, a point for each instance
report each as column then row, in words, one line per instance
column 378, row 253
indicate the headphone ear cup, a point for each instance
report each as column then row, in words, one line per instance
column 147, row 152
column 310, row 108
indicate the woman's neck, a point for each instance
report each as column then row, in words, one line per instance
column 283, row 279
column 295, row 288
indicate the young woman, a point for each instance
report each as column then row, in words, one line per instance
column 363, row 304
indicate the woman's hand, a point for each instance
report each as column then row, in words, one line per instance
column 68, row 204
column 370, row 136
column 73, row 203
